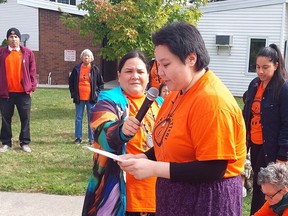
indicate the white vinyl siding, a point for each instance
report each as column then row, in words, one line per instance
column 24, row 15
column 253, row 20
column 21, row 17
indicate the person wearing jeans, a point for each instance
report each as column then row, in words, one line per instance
column 85, row 83
column 79, row 117
column 17, row 82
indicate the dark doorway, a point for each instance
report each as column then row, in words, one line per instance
column 109, row 70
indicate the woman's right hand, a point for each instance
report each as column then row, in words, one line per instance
column 139, row 168
column 130, row 126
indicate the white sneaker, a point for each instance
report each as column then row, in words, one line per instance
column 244, row 192
column 26, row 148
column 4, row 148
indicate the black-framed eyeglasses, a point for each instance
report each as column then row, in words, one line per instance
column 272, row 196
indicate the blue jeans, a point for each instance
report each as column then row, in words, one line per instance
column 79, row 117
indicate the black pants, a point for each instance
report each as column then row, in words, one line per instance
column 23, row 105
column 257, row 161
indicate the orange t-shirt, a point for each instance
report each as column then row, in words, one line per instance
column 255, row 124
column 266, row 211
column 13, row 64
column 155, row 80
column 140, row 193
column 84, row 82
column 204, row 124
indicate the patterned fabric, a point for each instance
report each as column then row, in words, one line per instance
column 105, row 193
column 178, row 198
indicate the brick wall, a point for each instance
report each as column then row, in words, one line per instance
column 55, row 37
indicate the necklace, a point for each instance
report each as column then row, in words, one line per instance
column 172, row 111
column 163, row 127
column 146, row 125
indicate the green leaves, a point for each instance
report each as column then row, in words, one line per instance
column 125, row 25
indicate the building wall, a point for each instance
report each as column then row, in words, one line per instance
column 48, row 37
column 22, row 17
column 55, row 39
column 243, row 20
column 286, row 35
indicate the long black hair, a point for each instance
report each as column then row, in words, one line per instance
column 273, row 53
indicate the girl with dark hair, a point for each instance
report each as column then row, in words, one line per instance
column 266, row 116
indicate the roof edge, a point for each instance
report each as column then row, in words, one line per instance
column 54, row 6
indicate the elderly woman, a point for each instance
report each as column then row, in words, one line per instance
column 85, row 83
column 274, row 183
column 116, row 130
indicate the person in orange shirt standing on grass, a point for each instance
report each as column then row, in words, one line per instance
column 17, row 82
column 273, row 180
column 85, row 84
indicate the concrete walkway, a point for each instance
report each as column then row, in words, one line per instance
column 30, row 204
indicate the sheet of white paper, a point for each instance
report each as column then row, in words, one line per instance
column 105, row 153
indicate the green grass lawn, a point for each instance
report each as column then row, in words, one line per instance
column 55, row 165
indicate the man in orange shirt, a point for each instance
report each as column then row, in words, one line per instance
column 17, row 81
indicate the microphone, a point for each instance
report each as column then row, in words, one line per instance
column 151, row 96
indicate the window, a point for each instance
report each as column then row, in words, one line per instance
column 255, row 46
column 215, row 0
column 71, row 2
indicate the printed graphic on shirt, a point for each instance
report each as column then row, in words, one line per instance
column 162, row 130
column 256, row 127
column 256, row 112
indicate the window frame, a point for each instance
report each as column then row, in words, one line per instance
column 69, row 2
column 249, row 52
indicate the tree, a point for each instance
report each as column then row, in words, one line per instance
column 123, row 25
column 4, row 42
